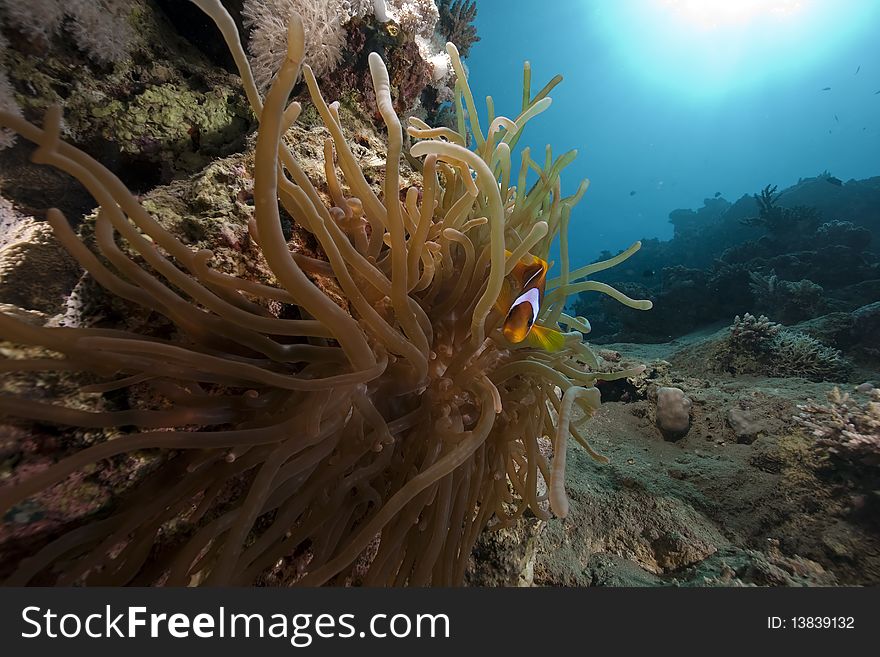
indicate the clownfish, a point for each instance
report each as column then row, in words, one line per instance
column 521, row 302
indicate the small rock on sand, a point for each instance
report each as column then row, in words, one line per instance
column 746, row 426
column 673, row 413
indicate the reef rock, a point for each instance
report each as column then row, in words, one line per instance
column 36, row 273
column 784, row 263
column 866, row 322
column 746, row 426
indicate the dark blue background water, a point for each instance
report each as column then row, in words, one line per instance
column 675, row 110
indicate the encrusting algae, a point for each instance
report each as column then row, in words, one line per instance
column 371, row 444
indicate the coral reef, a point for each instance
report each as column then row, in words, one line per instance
column 745, row 498
column 755, row 345
column 355, row 417
column 324, row 22
column 776, row 219
column 342, row 33
column 100, row 28
column 456, row 18
column 720, row 262
column 415, row 17
column 150, row 107
column 845, row 431
column 787, row 301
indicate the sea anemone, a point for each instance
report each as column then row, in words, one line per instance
column 369, row 438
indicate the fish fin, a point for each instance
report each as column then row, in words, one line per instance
column 544, row 338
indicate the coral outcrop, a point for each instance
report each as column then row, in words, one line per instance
column 819, row 277
column 135, row 95
column 755, row 345
column 845, row 430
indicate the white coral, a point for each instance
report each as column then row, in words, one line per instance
column 323, row 21
column 441, row 65
column 100, row 28
column 418, row 17
column 753, row 332
column 40, row 19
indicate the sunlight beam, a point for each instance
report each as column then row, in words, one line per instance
column 713, row 50
column 718, row 14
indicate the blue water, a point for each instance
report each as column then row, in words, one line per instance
column 676, row 111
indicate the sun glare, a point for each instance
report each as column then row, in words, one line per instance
column 716, row 14
column 708, row 50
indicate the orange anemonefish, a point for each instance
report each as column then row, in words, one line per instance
column 521, row 301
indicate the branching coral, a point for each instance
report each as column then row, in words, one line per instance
column 369, row 443
column 325, row 36
column 754, row 333
column 416, row 17
column 99, row 27
column 759, row 346
column 788, row 301
column 798, row 354
column 844, row 233
column 776, row 219
column 456, row 23
column 845, row 430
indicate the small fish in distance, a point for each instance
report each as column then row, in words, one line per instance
column 826, row 88
column 717, row 194
column 632, row 193
column 858, row 68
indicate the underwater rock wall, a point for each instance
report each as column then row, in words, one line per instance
column 809, row 251
column 158, row 100
column 144, row 101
